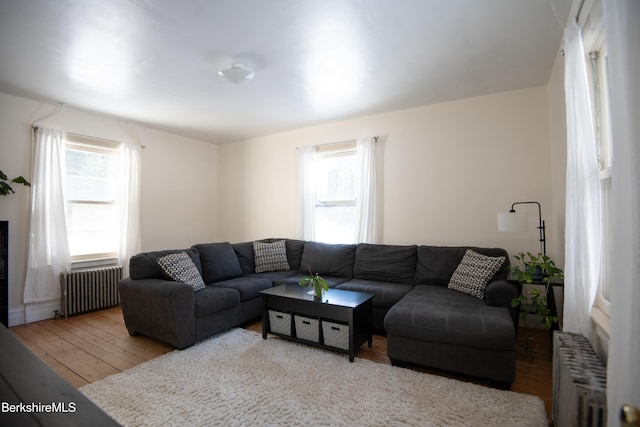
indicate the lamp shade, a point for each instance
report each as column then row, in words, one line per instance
column 236, row 74
column 513, row 221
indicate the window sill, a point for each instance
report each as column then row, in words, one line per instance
column 601, row 320
column 91, row 263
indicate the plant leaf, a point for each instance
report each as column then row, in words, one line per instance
column 21, row 180
column 5, row 189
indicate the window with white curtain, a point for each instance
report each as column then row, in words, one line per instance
column 334, row 180
column 596, row 56
column 91, row 185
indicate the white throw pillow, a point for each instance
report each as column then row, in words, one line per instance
column 474, row 272
column 270, row 256
column 180, row 267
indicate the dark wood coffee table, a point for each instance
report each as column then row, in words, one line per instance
column 340, row 321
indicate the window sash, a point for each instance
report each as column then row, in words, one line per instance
column 336, row 229
column 335, row 203
column 86, row 144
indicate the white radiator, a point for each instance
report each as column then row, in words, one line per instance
column 89, row 290
column 579, row 383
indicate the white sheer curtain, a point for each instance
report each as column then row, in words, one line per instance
column 366, row 187
column 129, row 205
column 623, row 39
column 307, row 199
column 48, row 244
column 582, row 233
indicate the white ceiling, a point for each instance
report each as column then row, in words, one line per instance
column 155, row 62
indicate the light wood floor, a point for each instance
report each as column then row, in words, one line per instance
column 89, row 347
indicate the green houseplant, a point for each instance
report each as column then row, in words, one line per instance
column 5, row 184
column 315, row 283
column 543, row 269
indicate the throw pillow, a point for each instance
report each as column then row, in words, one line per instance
column 270, row 256
column 219, row 261
column 180, row 267
column 474, row 272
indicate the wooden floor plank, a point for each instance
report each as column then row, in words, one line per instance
column 97, row 346
column 89, row 347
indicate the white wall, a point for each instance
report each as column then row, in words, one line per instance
column 179, row 185
column 558, row 154
column 447, row 170
column 558, row 159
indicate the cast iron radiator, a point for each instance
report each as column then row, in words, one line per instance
column 579, row 383
column 88, row 290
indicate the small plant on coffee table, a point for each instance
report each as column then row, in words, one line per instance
column 315, row 282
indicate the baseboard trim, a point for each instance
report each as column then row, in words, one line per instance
column 33, row 312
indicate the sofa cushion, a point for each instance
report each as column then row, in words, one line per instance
column 219, row 261
column 213, row 299
column 328, row 259
column 439, row 314
column 180, row 267
column 145, row 266
column 295, row 249
column 436, row 264
column 244, row 252
column 386, row 293
column 270, row 256
column 474, row 272
column 385, row 263
column 273, row 276
column 248, row 287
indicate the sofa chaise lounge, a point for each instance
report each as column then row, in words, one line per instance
column 426, row 319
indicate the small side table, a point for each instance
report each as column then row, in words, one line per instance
column 551, row 299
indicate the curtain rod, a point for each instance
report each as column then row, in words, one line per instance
column 375, row 138
column 35, row 128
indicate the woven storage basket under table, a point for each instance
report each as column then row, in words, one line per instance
column 307, row 328
column 335, row 335
column 280, row 323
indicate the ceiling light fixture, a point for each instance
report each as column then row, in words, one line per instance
column 236, row 74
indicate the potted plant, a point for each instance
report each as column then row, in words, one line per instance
column 317, row 285
column 540, row 268
column 5, row 184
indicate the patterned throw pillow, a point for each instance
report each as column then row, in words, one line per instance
column 180, row 267
column 474, row 272
column 270, row 256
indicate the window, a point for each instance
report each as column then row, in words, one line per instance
column 338, row 192
column 596, row 52
column 91, row 188
column 335, row 190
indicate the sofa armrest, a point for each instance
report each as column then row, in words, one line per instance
column 160, row 309
column 500, row 293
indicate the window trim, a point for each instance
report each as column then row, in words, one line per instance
column 102, row 146
column 594, row 39
column 338, row 149
column 333, row 150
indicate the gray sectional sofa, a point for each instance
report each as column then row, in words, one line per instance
column 426, row 322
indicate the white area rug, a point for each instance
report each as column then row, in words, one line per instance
column 239, row 379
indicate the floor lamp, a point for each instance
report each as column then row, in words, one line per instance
column 516, row 221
